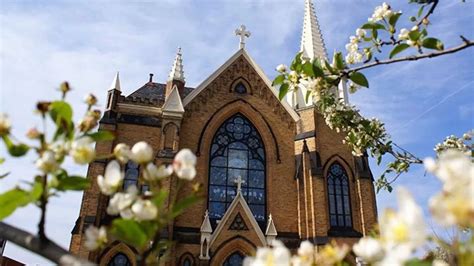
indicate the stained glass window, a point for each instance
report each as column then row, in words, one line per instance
column 119, row 260
column 131, row 175
column 338, row 194
column 240, row 88
column 187, row 262
column 236, row 259
column 237, row 150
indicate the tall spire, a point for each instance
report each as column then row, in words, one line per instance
column 177, row 72
column 115, row 83
column 312, row 43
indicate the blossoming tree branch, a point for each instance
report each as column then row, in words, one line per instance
column 140, row 217
column 378, row 37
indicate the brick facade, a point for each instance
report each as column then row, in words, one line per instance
column 298, row 152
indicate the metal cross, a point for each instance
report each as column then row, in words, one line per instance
column 242, row 33
column 239, row 182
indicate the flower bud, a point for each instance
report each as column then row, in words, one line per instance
column 122, row 152
column 90, row 99
column 281, row 68
column 43, row 107
column 33, row 133
column 141, row 153
column 5, row 125
column 64, row 87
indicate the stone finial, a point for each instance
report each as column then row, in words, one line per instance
column 206, row 231
column 239, row 181
column 177, row 71
column 115, row 83
column 271, row 231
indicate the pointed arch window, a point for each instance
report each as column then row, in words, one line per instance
column 240, row 88
column 236, row 259
column 236, row 150
column 119, row 259
column 339, row 197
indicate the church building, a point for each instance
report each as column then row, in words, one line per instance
column 270, row 169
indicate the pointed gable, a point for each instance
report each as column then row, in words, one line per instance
column 173, row 103
column 233, row 59
column 238, row 210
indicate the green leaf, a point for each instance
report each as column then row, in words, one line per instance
column 375, row 34
column 160, row 199
column 398, row 49
column 417, row 262
column 73, row 183
column 414, row 35
column 359, row 79
column 278, row 80
column 15, row 150
column 60, row 111
column 329, row 67
column 102, row 135
column 308, row 69
column 317, row 70
column 338, row 61
column 420, row 11
column 183, row 204
column 130, row 232
column 394, row 18
column 308, row 93
column 433, row 43
column 2, row 160
column 12, row 199
column 373, row 26
column 296, row 64
column 283, row 91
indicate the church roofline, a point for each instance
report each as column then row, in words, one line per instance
column 213, row 76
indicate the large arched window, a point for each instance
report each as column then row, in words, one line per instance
column 119, row 259
column 338, row 194
column 236, row 259
column 237, row 150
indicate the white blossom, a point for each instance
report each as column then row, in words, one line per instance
column 368, row 249
column 306, row 253
column 361, row 33
column 5, row 124
column 403, row 35
column 82, row 150
column 144, row 210
column 121, row 202
column 278, row 255
column 281, row 68
column 95, row 237
column 184, row 164
column 152, row 172
column 47, row 163
column 141, row 153
column 455, row 204
column 381, row 12
column 122, row 152
column 112, row 179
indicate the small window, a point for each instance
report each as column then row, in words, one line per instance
column 119, row 259
column 240, row 88
column 131, row 175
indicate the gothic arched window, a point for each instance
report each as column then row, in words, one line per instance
column 119, row 259
column 237, row 150
column 338, row 194
column 236, row 259
column 240, row 88
column 131, row 175
column 187, row 262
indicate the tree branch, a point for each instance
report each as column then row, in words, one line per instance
column 432, row 8
column 467, row 43
column 43, row 203
column 45, row 248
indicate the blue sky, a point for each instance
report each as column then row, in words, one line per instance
column 86, row 42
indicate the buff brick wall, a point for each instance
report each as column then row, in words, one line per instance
column 217, row 103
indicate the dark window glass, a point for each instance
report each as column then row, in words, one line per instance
column 119, row 260
column 240, row 88
column 187, row 262
column 236, row 259
column 237, row 150
column 338, row 194
column 131, row 175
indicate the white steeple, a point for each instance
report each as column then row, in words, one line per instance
column 177, row 72
column 312, row 44
column 115, row 83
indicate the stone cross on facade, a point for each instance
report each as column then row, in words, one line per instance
column 242, row 33
column 239, row 181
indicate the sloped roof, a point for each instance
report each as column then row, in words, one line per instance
column 155, row 91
